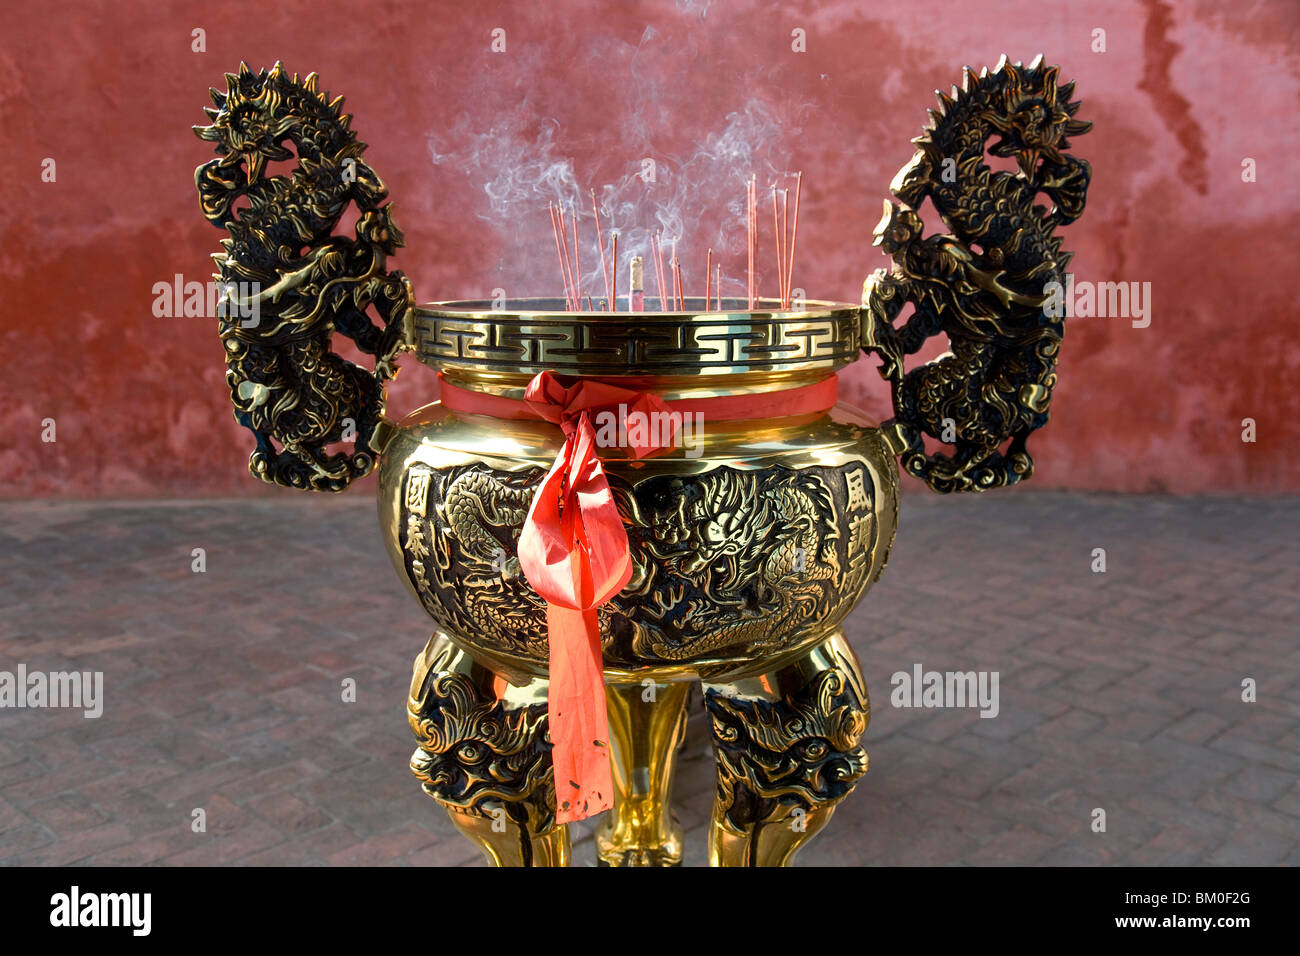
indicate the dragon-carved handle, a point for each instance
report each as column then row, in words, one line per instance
column 986, row 285
column 289, row 283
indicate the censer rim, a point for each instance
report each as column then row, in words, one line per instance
column 483, row 309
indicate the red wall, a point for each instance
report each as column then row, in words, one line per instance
column 1182, row 94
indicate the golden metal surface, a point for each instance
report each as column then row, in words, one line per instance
column 483, row 755
column 527, row 336
column 669, row 387
column 646, row 728
column 788, row 751
column 758, row 546
column 746, row 557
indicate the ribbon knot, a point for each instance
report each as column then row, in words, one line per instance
column 574, row 551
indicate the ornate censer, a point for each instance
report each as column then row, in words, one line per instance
column 641, row 499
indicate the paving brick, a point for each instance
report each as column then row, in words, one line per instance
column 273, row 779
column 227, row 843
column 1197, row 727
column 1019, row 845
column 1175, row 845
column 289, row 814
column 67, row 813
column 1245, row 812
column 398, row 843
column 17, row 842
column 1289, row 802
column 1250, row 847
column 86, row 844
column 18, row 772
column 1089, row 850
column 1260, row 784
column 147, row 849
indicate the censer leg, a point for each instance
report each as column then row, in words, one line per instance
column 484, row 756
column 787, row 748
column 646, row 726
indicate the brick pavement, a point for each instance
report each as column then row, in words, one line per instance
column 1119, row 691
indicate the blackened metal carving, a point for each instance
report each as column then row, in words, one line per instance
column 288, row 388
column 985, row 286
column 726, row 561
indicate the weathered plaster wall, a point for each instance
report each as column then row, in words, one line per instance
column 1183, row 92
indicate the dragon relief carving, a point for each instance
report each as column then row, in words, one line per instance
column 466, row 567
column 729, row 560
column 984, row 285
column 725, row 562
column 287, row 387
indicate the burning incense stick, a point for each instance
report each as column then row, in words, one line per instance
column 750, row 226
column 659, row 274
column 635, row 285
column 708, row 277
column 600, row 237
column 657, row 252
column 568, row 260
column 794, row 238
column 663, row 275
column 776, row 232
column 677, row 278
column 785, row 246
column 568, row 264
column 559, row 251
column 670, row 285
column 577, row 263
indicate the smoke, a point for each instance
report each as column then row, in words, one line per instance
column 668, row 155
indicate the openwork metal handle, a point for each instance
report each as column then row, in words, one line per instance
column 289, row 283
column 985, row 285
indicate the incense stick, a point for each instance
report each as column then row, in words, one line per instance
column 600, row 236
column 794, row 238
column 785, row 245
column 663, row 273
column 708, row 277
column 677, row 278
column 636, row 284
column 577, row 263
column 613, row 294
column 657, row 251
column 776, row 232
column 559, row 251
column 758, row 288
column 749, row 235
column 568, row 257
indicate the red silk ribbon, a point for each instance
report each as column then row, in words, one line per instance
column 574, row 551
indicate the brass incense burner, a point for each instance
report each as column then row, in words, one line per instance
column 751, row 538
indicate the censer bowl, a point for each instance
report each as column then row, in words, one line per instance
column 751, row 539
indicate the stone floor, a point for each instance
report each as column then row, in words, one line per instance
column 1119, row 690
